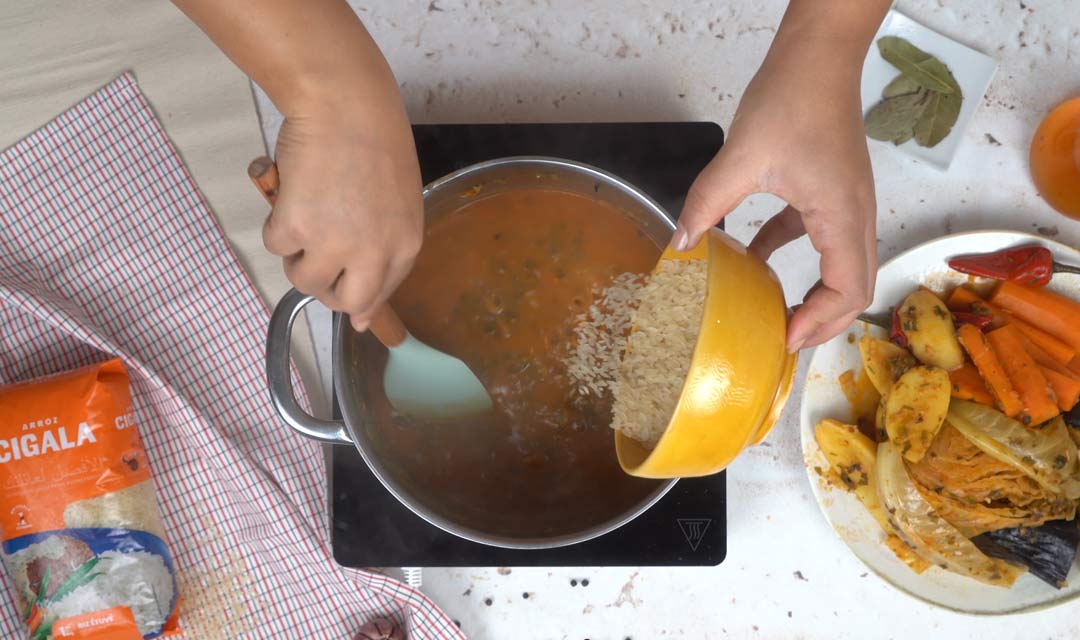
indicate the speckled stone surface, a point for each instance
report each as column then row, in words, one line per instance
column 787, row 574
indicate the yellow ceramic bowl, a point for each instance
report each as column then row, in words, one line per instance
column 740, row 375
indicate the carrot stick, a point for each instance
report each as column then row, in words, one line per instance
column 1058, row 350
column 1039, row 402
column 1058, row 316
column 1046, row 361
column 963, row 299
column 967, row 384
column 993, row 374
column 1074, row 365
column 1066, row 389
column 1064, row 381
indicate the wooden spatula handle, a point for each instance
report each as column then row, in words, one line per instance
column 263, row 172
column 385, row 324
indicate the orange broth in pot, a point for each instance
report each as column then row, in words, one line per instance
column 499, row 283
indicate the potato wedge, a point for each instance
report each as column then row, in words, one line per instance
column 915, row 409
column 930, row 331
column 853, row 457
column 861, row 394
column 884, row 362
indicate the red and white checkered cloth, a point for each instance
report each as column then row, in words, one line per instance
column 108, row 249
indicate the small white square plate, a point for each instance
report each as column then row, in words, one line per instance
column 973, row 70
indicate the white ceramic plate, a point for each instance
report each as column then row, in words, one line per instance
column 973, row 71
column 822, row 398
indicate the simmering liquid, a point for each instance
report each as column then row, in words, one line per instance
column 498, row 284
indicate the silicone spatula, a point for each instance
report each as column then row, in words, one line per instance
column 420, row 381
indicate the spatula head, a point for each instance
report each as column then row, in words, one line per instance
column 428, row 384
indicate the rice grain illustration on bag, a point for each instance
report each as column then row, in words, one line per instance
column 83, row 541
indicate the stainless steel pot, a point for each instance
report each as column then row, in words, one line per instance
column 357, row 359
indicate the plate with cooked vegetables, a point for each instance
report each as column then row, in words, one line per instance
column 941, row 441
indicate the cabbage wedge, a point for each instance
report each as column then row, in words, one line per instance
column 852, row 458
column 914, row 520
column 1046, row 453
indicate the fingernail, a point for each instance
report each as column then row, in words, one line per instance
column 796, row 339
column 359, row 324
column 680, row 239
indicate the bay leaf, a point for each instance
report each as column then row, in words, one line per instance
column 901, row 85
column 937, row 119
column 908, row 134
column 926, row 119
column 952, row 79
column 920, row 66
column 895, row 117
column 939, row 69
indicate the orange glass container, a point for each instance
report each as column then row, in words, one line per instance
column 1055, row 158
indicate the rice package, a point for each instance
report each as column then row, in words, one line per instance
column 83, row 541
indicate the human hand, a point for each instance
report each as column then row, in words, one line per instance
column 348, row 220
column 349, row 216
column 798, row 134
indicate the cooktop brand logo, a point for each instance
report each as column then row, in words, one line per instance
column 693, row 529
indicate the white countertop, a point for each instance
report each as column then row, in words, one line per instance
column 787, row 575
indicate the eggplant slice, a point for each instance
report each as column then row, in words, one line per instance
column 1048, row 551
column 1072, row 417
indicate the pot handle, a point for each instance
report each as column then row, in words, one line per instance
column 279, row 374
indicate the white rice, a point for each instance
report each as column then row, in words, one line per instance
column 653, row 371
column 137, row 580
column 132, row 508
column 643, row 371
column 600, row 335
column 222, row 600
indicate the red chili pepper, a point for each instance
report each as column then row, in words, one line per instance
column 1031, row 265
column 896, row 334
column 980, row 321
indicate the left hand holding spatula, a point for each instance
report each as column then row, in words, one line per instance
column 348, row 221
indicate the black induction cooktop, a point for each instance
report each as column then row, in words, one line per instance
column 688, row 526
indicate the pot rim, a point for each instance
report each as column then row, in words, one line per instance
column 352, row 417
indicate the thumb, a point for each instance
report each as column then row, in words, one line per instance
column 717, row 190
